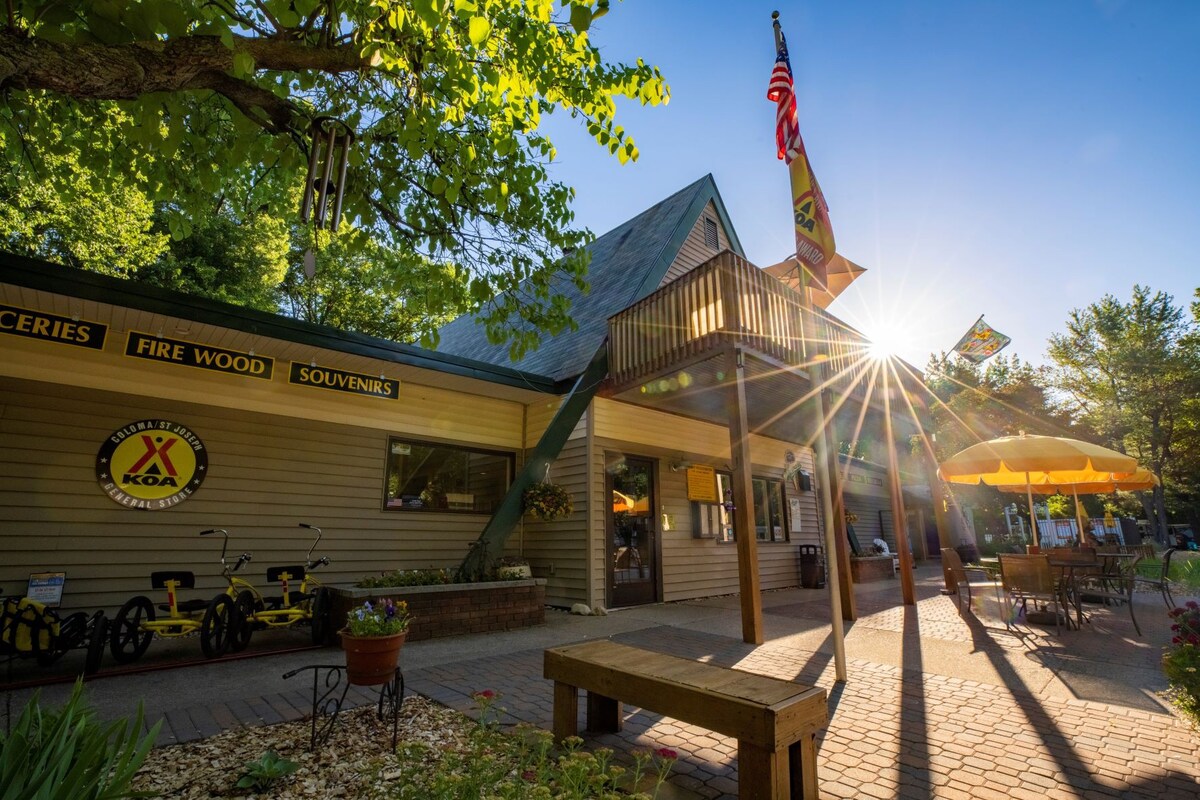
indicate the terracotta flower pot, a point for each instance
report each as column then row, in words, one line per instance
column 371, row 660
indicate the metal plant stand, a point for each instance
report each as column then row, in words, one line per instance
column 329, row 694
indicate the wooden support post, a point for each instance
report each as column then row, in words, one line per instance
column 603, row 714
column 743, row 493
column 566, row 710
column 840, row 558
column 899, row 515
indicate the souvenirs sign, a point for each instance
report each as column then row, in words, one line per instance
column 340, row 381
column 51, row 327
column 702, row 484
column 201, row 356
column 151, row 464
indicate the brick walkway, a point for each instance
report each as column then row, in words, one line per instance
column 908, row 728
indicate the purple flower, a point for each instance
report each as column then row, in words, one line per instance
column 1193, row 604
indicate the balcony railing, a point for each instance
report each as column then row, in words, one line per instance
column 723, row 301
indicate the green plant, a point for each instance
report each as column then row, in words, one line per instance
column 494, row 765
column 262, row 773
column 547, row 501
column 385, row 618
column 67, row 755
column 406, row 577
column 1181, row 662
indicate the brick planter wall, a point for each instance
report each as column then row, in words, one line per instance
column 871, row 568
column 455, row 608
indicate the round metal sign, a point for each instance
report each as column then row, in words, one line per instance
column 151, row 464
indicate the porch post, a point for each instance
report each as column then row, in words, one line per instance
column 899, row 516
column 815, row 357
column 743, row 494
column 840, row 555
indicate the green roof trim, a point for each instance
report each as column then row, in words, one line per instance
column 49, row 277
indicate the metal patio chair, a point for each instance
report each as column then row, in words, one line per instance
column 1160, row 581
column 1029, row 577
column 1112, row 587
column 970, row 579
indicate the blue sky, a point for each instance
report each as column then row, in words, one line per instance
column 1014, row 159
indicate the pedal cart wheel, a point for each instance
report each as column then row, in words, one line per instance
column 220, row 622
column 322, row 616
column 245, row 606
column 127, row 640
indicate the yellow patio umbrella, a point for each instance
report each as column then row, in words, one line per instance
column 1137, row 481
column 1026, row 461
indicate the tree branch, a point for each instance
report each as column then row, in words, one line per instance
column 128, row 71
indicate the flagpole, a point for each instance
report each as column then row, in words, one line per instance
column 822, row 451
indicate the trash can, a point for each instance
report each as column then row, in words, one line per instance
column 968, row 553
column 812, row 567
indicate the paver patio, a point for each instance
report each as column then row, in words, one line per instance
column 938, row 705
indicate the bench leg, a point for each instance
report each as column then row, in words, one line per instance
column 789, row 772
column 762, row 773
column 603, row 713
column 803, row 764
column 566, row 710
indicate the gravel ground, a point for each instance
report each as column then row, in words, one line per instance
column 355, row 763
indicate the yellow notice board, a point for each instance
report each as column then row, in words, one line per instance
column 702, row 484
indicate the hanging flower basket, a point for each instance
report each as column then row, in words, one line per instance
column 547, row 501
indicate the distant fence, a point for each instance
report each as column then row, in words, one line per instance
column 1063, row 532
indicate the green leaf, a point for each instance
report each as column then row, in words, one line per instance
column 243, row 64
column 479, row 29
column 581, row 18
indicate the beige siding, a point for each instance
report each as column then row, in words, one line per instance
column 557, row 550
column 694, row 252
column 266, row 473
column 694, row 567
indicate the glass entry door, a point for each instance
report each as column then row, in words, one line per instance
column 632, row 532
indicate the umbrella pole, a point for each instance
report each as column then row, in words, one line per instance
column 1032, row 515
column 1078, row 516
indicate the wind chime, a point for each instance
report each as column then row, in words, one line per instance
column 329, row 151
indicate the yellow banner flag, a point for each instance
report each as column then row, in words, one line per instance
column 814, row 235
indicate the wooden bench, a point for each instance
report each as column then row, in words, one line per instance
column 775, row 722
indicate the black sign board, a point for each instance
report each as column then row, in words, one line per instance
column 51, row 327
column 340, row 381
column 201, row 356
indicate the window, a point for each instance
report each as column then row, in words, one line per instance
column 422, row 476
column 710, row 234
column 770, row 517
column 770, row 520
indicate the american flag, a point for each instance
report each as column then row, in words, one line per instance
column 814, row 233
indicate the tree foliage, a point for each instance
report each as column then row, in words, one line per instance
column 1132, row 373
column 212, row 100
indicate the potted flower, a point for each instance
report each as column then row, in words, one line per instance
column 511, row 568
column 372, row 640
column 547, row 501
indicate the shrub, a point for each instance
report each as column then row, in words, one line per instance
column 406, row 577
column 67, row 755
column 1181, row 662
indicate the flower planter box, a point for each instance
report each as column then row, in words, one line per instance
column 455, row 608
column 867, row 569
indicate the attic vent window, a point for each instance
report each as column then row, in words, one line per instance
column 710, row 233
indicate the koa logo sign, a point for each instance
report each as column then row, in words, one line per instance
column 151, row 464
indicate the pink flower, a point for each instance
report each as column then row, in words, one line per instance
column 666, row 753
column 1176, row 640
column 1193, row 604
column 486, row 694
column 529, row 775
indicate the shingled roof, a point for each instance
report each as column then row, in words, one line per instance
column 627, row 263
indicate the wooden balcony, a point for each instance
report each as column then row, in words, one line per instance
column 658, row 347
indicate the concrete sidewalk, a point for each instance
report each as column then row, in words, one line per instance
column 937, row 704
